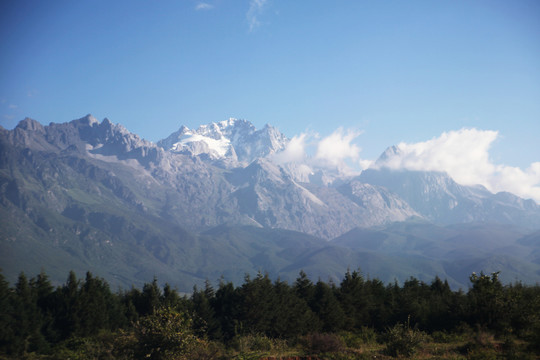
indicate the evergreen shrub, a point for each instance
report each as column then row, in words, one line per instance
column 402, row 340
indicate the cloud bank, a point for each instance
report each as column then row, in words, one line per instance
column 464, row 155
column 337, row 151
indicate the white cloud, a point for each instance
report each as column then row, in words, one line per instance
column 464, row 155
column 204, row 6
column 254, row 11
column 338, row 146
column 524, row 183
column 365, row 164
column 294, row 152
column 335, row 152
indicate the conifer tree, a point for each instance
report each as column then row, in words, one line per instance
column 304, row 287
column 227, row 305
column 150, row 299
column 28, row 321
column 353, row 300
column 257, row 297
column 486, row 301
column 69, row 307
column 441, row 312
column 327, row 307
column 291, row 314
column 172, row 299
column 205, row 321
column 380, row 304
column 7, row 321
column 45, row 297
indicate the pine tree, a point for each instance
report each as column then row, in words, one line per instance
column 291, row 314
column 304, row 287
column 441, row 312
column 327, row 308
column 150, row 299
column 7, row 321
column 170, row 297
column 69, row 307
column 45, row 297
column 100, row 309
column 380, row 304
column 227, row 304
column 205, row 321
column 28, row 320
column 256, row 307
column 486, row 301
column 353, row 300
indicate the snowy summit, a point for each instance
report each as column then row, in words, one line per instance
column 232, row 139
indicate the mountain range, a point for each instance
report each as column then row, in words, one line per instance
column 213, row 202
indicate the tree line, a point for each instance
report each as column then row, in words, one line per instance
column 35, row 316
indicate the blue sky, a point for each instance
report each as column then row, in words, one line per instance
column 391, row 71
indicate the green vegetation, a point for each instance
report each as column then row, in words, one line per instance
column 356, row 319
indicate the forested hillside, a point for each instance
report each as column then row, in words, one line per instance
column 84, row 318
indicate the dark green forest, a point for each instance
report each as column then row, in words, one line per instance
column 84, row 318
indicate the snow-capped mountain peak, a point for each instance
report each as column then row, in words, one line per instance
column 232, row 139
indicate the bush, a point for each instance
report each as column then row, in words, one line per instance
column 165, row 334
column 444, row 337
column 256, row 346
column 253, row 343
column 205, row 350
column 101, row 346
column 322, row 343
column 355, row 340
column 401, row 340
column 482, row 354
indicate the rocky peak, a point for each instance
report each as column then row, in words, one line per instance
column 30, row 125
column 387, row 155
column 88, row 120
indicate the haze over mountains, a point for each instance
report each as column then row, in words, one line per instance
column 222, row 200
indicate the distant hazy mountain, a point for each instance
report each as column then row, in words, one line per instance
column 90, row 195
column 452, row 251
column 437, row 197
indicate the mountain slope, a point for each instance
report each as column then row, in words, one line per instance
column 90, row 195
column 86, row 195
column 458, row 249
